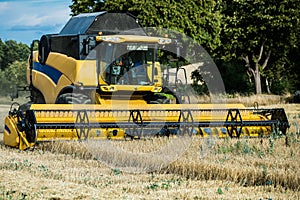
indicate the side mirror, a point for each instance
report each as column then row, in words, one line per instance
column 44, row 48
column 88, row 44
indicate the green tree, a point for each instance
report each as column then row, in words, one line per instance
column 1, row 53
column 11, row 51
column 86, row 6
column 235, row 78
column 261, row 33
column 197, row 19
column 14, row 75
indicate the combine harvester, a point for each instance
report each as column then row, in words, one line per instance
column 99, row 78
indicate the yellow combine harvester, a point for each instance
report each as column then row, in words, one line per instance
column 99, row 78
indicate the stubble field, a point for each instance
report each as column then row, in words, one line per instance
column 209, row 168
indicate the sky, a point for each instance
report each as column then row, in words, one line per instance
column 24, row 21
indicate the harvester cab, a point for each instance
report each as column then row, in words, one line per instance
column 100, row 78
column 95, row 56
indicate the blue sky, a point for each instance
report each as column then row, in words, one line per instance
column 26, row 20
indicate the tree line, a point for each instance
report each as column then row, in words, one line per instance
column 255, row 44
column 13, row 62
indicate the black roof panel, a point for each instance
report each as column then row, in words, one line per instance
column 107, row 23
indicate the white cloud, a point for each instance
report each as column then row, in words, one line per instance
column 3, row 6
column 32, row 13
column 20, row 19
column 58, row 16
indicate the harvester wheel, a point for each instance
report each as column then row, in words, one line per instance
column 136, row 130
column 29, row 125
column 73, row 98
column 37, row 97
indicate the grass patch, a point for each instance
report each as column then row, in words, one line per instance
column 248, row 101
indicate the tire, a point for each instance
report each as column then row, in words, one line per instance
column 37, row 97
column 73, row 98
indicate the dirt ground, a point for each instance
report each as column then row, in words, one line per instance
column 54, row 173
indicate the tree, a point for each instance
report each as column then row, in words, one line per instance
column 235, row 77
column 2, row 56
column 260, row 33
column 197, row 19
column 86, row 6
column 13, row 62
column 14, row 75
column 11, row 51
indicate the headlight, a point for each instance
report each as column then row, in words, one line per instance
column 111, row 89
column 164, row 41
column 108, row 39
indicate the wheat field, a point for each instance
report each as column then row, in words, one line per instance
column 208, row 168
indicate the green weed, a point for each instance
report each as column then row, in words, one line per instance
column 117, row 171
column 220, row 191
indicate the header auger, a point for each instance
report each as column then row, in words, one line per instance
column 100, row 78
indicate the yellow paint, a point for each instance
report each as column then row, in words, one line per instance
column 66, row 65
column 48, row 88
column 131, row 38
column 86, row 73
column 13, row 137
column 111, row 105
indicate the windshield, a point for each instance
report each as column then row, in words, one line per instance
column 127, row 63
